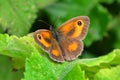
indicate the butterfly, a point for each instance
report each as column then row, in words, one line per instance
column 65, row 43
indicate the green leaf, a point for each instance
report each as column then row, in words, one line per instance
column 36, row 67
column 115, row 23
column 17, row 48
column 111, row 58
column 92, row 66
column 6, row 70
column 112, row 73
column 1, row 30
column 40, row 67
column 98, row 24
column 75, row 73
column 20, row 14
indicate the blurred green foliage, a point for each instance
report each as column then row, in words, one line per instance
column 21, row 17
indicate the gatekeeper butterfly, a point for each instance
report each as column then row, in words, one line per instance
column 65, row 43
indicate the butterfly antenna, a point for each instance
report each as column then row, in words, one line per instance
column 51, row 27
column 44, row 22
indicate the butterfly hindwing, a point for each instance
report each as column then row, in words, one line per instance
column 71, row 49
column 56, row 52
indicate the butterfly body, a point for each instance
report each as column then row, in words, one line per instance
column 55, row 34
column 65, row 43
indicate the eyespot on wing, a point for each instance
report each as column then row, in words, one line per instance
column 43, row 38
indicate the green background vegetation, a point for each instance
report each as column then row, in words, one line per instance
column 22, row 59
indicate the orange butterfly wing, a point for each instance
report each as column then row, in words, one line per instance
column 72, row 33
column 45, row 39
column 75, row 28
column 71, row 48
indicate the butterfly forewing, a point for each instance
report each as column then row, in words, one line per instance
column 43, row 38
column 75, row 28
